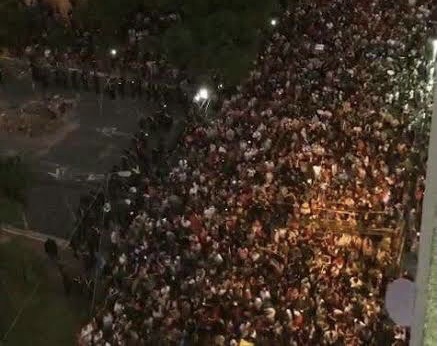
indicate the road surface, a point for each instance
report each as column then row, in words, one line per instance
column 89, row 146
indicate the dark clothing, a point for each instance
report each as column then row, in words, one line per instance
column 51, row 249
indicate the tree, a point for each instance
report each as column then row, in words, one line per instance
column 14, row 23
column 105, row 15
column 213, row 35
column 15, row 179
column 218, row 35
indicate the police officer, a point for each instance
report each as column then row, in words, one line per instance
column 57, row 76
column 64, row 75
column 151, row 122
column 34, row 72
column 64, row 78
column 133, row 88
column 111, row 89
column 142, row 123
column 96, row 83
column 106, row 87
column 139, row 85
column 168, row 121
column 165, row 120
column 84, row 78
column 44, row 80
column 121, row 86
column 74, row 79
column 147, row 90
column 153, row 91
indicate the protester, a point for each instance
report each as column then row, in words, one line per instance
column 273, row 225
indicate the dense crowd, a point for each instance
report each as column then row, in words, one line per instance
column 234, row 242
column 128, row 69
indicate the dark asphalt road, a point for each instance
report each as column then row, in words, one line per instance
column 95, row 145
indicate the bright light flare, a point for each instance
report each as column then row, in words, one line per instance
column 113, row 52
column 124, row 174
column 274, row 22
column 202, row 95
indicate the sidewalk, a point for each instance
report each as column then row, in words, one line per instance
column 35, row 309
column 32, row 235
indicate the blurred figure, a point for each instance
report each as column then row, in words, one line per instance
column 51, row 249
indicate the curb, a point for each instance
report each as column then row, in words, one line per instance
column 32, row 235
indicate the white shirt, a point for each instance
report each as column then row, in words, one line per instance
column 107, row 320
column 185, row 223
column 317, row 170
column 209, row 212
column 114, row 237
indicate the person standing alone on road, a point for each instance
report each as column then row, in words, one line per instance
column 51, row 249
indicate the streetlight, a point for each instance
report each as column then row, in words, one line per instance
column 273, row 22
column 202, row 95
column 113, row 52
column 203, row 99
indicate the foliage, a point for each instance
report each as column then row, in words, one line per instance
column 105, row 16
column 15, row 179
column 11, row 213
column 213, row 36
column 59, row 37
column 14, row 23
column 218, row 35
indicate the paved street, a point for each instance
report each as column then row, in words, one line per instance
column 68, row 162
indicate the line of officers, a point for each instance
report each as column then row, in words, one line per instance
column 113, row 87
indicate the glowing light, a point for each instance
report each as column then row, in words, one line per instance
column 124, row 174
column 273, row 22
column 107, row 207
column 113, row 52
column 202, row 95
